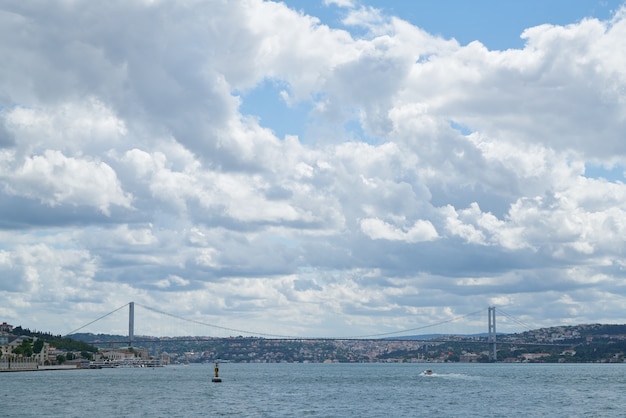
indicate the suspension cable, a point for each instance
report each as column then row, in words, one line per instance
column 419, row 328
column 370, row 336
column 517, row 321
column 307, row 338
column 212, row 325
column 95, row 320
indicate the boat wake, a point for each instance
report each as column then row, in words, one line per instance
column 451, row 376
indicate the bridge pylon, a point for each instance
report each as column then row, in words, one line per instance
column 131, row 323
column 491, row 339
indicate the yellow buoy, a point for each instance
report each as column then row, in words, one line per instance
column 217, row 379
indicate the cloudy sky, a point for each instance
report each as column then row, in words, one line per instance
column 312, row 167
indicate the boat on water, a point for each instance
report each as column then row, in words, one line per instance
column 428, row 372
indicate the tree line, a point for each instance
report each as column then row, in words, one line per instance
column 57, row 341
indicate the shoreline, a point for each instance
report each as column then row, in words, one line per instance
column 40, row 368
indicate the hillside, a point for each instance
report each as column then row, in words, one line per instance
column 580, row 343
column 57, row 341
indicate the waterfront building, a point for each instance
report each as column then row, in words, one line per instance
column 12, row 361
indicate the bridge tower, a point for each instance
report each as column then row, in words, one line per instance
column 491, row 339
column 131, row 323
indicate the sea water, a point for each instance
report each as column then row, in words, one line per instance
column 321, row 390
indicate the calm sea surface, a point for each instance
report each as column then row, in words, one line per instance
column 321, row 390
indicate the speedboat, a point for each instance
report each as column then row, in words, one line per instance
column 428, row 372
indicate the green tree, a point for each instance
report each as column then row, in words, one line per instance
column 25, row 349
column 38, row 346
column 61, row 359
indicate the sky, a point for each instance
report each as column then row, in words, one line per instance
column 312, row 167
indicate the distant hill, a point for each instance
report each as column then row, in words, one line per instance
column 57, row 341
column 578, row 343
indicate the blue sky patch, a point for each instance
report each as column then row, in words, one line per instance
column 614, row 173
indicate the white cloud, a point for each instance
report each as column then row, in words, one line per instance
column 76, row 127
column 55, row 179
column 340, row 3
column 466, row 231
column 430, row 170
column 378, row 229
column 171, row 281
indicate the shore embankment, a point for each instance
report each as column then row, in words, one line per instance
column 30, row 366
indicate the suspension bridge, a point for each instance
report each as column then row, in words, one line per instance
column 490, row 336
